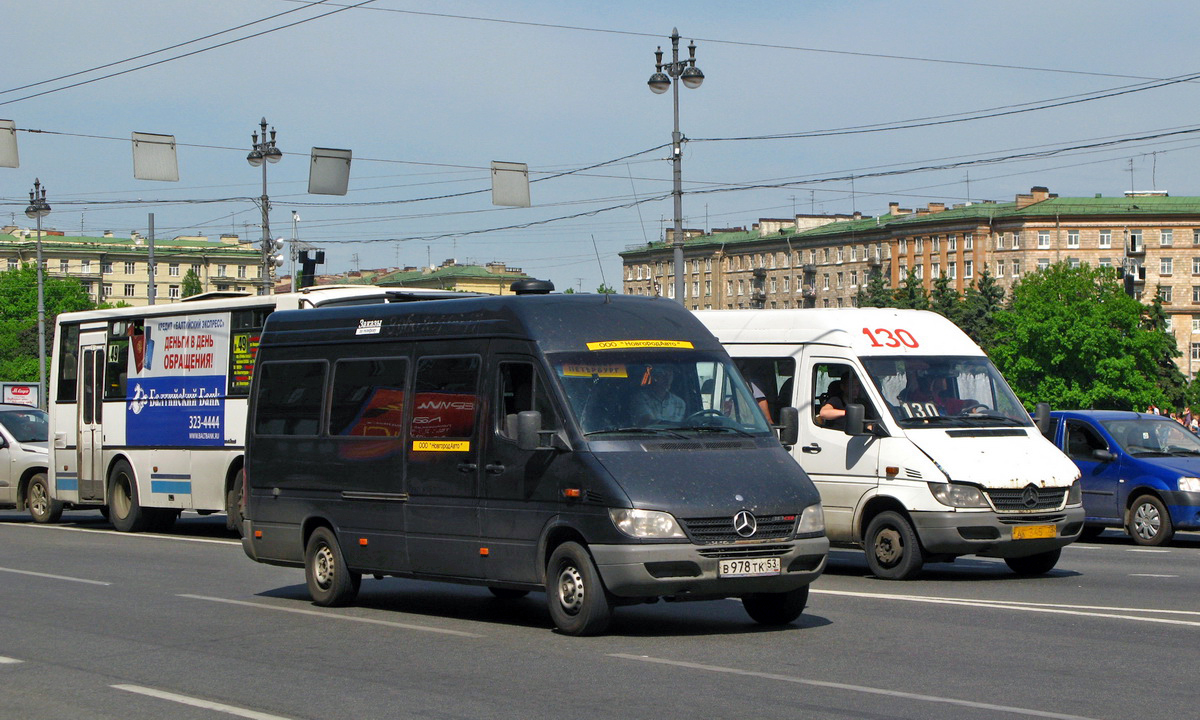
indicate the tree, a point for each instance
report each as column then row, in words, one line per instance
column 979, row 306
column 944, row 299
column 1072, row 337
column 191, row 284
column 875, row 292
column 18, row 318
column 912, row 293
column 606, row 290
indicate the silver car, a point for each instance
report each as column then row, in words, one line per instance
column 23, row 461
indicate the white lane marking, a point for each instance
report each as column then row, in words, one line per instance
column 1060, row 609
column 852, row 688
column 197, row 702
column 112, row 533
column 53, row 577
column 331, row 616
column 1146, row 550
column 1151, row 575
column 9, row 661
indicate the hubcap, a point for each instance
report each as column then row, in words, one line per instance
column 1146, row 521
column 323, row 566
column 37, row 499
column 888, row 547
column 570, row 589
column 121, row 497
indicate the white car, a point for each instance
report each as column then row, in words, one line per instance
column 23, row 455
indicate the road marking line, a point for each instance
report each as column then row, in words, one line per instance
column 327, row 615
column 1061, row 609
column 197, row 702
column 1146, row 550
column 9, row 661
column 1151, row 575
column 53, row 577
column 144, row 536
column 852, row 688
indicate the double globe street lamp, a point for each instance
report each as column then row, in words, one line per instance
column 690, row 75
column 261, row 153
column 38, row 208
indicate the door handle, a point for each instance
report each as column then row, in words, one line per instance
column 494, row 468
column 811, row 449
column 467, row 467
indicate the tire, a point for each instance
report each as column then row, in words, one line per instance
column 1038, row 564
column 124, row 511
column 776, row 608
column 42, row 508
column 508, row 593
column 233, row 505
column 1091, row 532
column 330, row 582
column 1149, row 522
column 893, row 551
column 575, row 595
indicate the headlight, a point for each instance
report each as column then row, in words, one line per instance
column 1075, row 493
column 957, row 495
column 1189, row 484
column 812, row 520
column 645, row 523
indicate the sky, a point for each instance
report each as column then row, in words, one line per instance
column 807, row 107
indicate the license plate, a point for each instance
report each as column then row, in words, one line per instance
column 748, row 567
column 1032, row 532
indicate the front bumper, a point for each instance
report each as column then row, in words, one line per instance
column 684, row 570
column 1184, row 508
column 990, row 534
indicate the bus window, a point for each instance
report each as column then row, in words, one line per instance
column 368, row 397
column 122, row 335
column 289, row 402
column 245, row 329
column 68, row 364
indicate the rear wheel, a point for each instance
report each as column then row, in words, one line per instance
column 776, row 608
column 330, row 582
column 124, row 510
column 893, row 552
column 1039, row 564
column 1149, row 522
column 575, row 595
column 42, row 508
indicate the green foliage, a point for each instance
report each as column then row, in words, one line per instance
column 945, row 300
column 980, row 303
column 875, row 293
column 191, row 284
column 911, row 294
column 18, row 318
column 1072, row 337
column 606, row 290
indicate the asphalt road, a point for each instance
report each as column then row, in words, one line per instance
column 98, row 624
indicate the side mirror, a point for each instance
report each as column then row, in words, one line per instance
column 1103, row 455
column 1041, row 417
column 529, row 425
column 789, row 426
column 854, row 419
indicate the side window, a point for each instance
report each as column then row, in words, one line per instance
column 445, row 398
column 771, row 380
column 1082, row 440
column 289, row 398
column 835, row 385
column 245, row 328
column 368, row 397
column 520, row 388
column 68, row 364
column 122, row 335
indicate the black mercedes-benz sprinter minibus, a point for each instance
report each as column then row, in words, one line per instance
column 603, row 449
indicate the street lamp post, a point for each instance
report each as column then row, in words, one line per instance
column 690, row 75
column 260, row 151
column 39, row 209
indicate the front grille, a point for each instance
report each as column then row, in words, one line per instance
column 720, row 529
column 744, row 551
column 1014, row 500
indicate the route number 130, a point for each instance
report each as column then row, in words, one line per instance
column 883, row 337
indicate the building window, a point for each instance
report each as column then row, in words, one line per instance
column 1072, row 238
column 129, row 290
column 1165, row 266
column 1196, row 351
column 969, row 241
column 903, row 246
column 1016, row 271
column 853, row 278
column 999, row 268
column 918, row 270
column 242, row 270
column 1043, row 263
column 937, row 243
column 968, row 269
column 106, row 288
column 999, row 241
column 825, row 281
column 130, row 267
column 839, row 254
column 1105, row 238
column 920, row 245
column 85, row 267
column 952, row 270
column 173, row 292
column 1016, row 240
column 1135, row 241
column 1195, row 324
column 1043, row 238
column 1166, row 238
column 741, row 287
column 935, row 270
column 106, row 267
column 1105, row 262
column 12, row 264
column 173, row 270
column 952, row 243
column 1165, row 294
column 1196, row 294
column 839, row 281
column 64, row 266
column 1073, row 262
column 708, row 287
column 196, row 269
column 787, row 283
column 1196, row 236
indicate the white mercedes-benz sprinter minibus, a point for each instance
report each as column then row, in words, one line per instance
column 920, row 450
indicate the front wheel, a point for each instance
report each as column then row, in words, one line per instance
column 776, row 608
column 893, row 552
column 330, row 582
column 42, row 508
column 233, row 505
column 1149, row 522
column 1039, row 564
column 575, row 595
column 124, row 510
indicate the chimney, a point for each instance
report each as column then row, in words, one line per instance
column 108, row 233
column 936, row 207
column 1036, row 195
column 893, row 208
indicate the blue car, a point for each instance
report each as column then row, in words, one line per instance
column 1140, row 472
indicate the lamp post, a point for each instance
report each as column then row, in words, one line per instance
column 39, row 209
column 690, row 75
column 260, row 151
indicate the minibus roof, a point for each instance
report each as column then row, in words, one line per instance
column 558, row 323
column 868, row 331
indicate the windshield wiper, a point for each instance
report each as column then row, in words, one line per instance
column 631, row 430
column 716, row 428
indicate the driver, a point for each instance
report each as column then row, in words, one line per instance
column 656, row 402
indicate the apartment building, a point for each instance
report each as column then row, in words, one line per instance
column 824, row 260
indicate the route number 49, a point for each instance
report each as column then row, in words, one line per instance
column 883, row 337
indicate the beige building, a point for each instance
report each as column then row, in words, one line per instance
column 114, row 269
column 824, row 261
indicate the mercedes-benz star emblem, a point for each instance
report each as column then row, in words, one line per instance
column 1029, row 496
column 744, row 523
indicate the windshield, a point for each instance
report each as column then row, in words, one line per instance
column 28, row 425
column 1150, row 437
column 657, row 392
column 945, row 392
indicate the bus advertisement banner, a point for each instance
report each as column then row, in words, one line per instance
column 177, row 370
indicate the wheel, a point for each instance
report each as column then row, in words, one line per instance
column 233, row 505
column 1091, row 532
column 1149, row 523
column 575, row 595
column 42, row 508
column 330, row 582
column 507, row 593
column 893, row 552
column 1038, row 564
column 776, row 608
column 124, row 510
